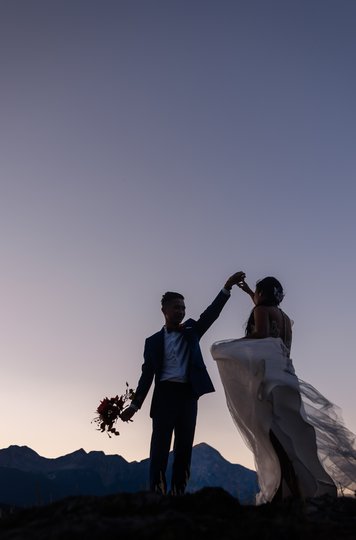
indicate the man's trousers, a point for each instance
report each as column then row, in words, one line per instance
column 175, row 412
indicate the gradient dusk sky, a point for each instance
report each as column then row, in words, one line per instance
column 153, row 145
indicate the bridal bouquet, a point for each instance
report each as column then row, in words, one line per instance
column 110, row 410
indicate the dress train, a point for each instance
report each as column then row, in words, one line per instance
column 264, row 395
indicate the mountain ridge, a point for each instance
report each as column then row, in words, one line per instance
column 26, row 478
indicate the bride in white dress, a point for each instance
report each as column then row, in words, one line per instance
column 300, row 444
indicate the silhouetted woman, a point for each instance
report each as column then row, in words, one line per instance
column 290, row 427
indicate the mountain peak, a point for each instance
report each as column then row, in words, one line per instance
column 205, row 449
column 14, row 456
column 76, row 453
column 23, row 450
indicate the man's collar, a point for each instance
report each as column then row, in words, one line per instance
column 180, row 328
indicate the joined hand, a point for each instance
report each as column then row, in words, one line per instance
column 235, row 279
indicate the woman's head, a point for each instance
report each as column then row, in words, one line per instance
column 269, row 292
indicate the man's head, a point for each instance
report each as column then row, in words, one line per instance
column 173, row 308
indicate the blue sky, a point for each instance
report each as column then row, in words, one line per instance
column 156, row 145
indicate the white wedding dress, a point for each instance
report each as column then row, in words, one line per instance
column 263, row 394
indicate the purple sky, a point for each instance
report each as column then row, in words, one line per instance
column 156, row 145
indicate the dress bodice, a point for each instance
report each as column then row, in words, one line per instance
column 276, row 331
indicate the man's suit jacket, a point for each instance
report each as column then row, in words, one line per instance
column 197, row 374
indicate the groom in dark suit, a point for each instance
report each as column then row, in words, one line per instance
column 173, row 358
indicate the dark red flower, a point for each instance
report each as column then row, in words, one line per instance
column 110, row 409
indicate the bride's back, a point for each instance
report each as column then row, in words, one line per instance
column 270, row 321
column 279, row 325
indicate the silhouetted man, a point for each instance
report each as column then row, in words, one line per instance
column 173, row 358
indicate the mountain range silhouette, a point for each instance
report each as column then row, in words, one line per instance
column 28, row 479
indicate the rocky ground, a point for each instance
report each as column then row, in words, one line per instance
column 211, row 512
